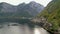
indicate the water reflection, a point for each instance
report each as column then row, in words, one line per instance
column 39, row 30
column 36, row 31
column 15, row 28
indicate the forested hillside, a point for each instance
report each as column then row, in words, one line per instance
column 52, row 14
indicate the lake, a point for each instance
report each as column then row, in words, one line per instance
column 15, row 28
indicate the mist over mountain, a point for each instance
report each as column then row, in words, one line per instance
column 22, row 10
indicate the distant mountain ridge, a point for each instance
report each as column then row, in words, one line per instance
column 23, row 10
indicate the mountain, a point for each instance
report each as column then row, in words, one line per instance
column 23, row 10
column 32, row 8
column 5, row 7
column 52, row 14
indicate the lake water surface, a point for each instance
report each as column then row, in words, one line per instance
column 15, row 28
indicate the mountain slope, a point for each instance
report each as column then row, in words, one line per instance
column 7, row 7
column 52, row 13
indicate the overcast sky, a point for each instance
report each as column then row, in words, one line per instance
column 16, row 2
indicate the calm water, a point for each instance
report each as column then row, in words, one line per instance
column 14, row 28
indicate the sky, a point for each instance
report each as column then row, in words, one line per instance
column 16, row 2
